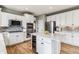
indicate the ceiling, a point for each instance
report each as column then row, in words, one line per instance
column 38, row 9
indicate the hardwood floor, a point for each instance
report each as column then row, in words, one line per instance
column 26, row 48
column 69, row 49
column 22, row 48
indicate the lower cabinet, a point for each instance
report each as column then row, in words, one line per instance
column 47, row 45
column 75, row 39
column 40, row 47
column 71, row 38
column 14, row 37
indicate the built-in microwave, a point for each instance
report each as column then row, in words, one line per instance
column 15, row 23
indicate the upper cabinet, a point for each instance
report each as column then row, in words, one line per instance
column 63, row 19
column 3, row 20
column 69, row 18
column 76, row 17
column 58, row 20
column 5, row 17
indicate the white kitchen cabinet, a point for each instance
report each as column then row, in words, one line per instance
column 16, row 37
column 63, row 19
column 39, row 45
column 56, row 47
column 58, row 20
column 68, row 38
column 76, row 17
column 75, row 40
column 11, row 16
column 6, row 17
column 3, row 20
column 42, row 45
column 69, row 18
column 46, row 45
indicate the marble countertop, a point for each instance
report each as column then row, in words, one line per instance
column 57, row 35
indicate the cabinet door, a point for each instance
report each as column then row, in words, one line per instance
column 47, row 48
column 12, row 38
column 16, row 38
column 76, row 17
column 20, row 37
column 69, row 18
column 11, row 17
column 76, row 39
column 58, row 20
column 55, row 47
column 40, row 46
column 4, row 19
column 63, row 19
column 68, row 38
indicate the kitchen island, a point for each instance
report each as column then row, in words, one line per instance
column 48, row 43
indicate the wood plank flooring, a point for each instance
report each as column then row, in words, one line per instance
column 22, row 48
column 26, row 48
column 69, row 49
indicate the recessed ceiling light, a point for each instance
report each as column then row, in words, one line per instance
column 50, row 7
